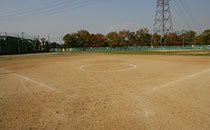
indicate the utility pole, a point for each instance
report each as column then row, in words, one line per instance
column 61, row 44
column 5, row 39
column 18, row 44
column 24, row 50
column 183, row 41
column 183, row 32
column 39, row 45
column 0, row 44
column 163, row 21
column 34, row 49
column 48, row 39
column 22, row 35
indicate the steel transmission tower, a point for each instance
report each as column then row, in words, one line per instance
column 163, row 21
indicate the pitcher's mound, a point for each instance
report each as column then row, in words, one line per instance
column 108, row 67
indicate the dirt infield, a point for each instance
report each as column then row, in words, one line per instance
column 105, row 92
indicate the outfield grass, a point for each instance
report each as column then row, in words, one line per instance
column 40, row 55
column 127, row 52
column 191, row 53
column 139, row 52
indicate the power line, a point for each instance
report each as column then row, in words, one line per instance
column 40, row 10
column 28, row 9
column 56, row 10
column 188, row 12
column 178, row 10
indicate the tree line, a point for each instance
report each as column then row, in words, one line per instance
column 82, row 38
column 141, row 37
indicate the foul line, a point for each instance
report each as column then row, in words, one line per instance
column 33, row 81
column 182, row 79
column 36, row 82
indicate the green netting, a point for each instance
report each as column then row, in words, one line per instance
column 132, row 48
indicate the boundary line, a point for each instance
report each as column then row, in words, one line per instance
column 82, row 68
column 36, row 82
column 181, row 79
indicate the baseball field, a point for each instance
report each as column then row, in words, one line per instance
column 105, row 91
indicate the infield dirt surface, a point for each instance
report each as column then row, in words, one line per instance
column 105, row 92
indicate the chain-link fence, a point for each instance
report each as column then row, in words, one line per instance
column 132, row 48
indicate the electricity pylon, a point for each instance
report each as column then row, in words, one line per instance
column 163, row 21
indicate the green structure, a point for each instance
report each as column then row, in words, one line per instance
column 132, row 48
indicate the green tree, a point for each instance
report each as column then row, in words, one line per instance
column 188, row 37
column 132, row 39
column 204, row 38
column 113, row 39
column 46, row 46
column 143, row 37
column 172, row 39
column 124, row 37
column 84, row 38
column 71, row 40
column 97, row 40
column 53, row 45
column 156, row 39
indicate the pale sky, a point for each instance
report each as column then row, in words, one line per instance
column 59, row 17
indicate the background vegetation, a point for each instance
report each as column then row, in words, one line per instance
column 142, row 37
column 82, row 38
